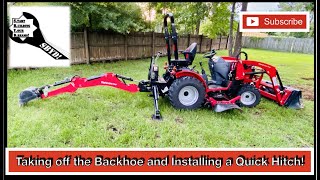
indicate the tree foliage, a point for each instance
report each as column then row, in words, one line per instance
column 113, row 16
column 189, row 21
column 296, row 6
column 208, row 18
column 161, row 9
column 218, row 20
column 118, row 17
column 299, row 6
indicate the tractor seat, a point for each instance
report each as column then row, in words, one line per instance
column 189, row 55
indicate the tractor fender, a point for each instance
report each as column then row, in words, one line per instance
column 189, row 73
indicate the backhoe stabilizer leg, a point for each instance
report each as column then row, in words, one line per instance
column 156, row 115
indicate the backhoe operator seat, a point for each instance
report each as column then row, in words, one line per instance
column 189, row 55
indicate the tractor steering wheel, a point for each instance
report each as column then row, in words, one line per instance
column 210, row 54
column 242, row 52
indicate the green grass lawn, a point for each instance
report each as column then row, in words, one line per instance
column 108, row 117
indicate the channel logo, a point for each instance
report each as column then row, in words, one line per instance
column 252, row 21
column 274, row 22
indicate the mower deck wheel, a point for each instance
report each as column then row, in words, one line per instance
column 186, row 93
column 249, row 96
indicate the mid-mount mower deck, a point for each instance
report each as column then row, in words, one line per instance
column 234, row 82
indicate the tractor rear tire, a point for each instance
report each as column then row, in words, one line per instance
column 249, row 96
column 187, row 93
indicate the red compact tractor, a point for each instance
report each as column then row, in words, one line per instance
column 234, row 83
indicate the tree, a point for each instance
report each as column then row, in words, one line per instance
column 238, row 43
column 296, row 6
column 189, row 21
column 161, row 9
column 217, row 22
column 208, row 18
column 186, row 21
column 230, row 41
column 299, row 6
column 118, row 17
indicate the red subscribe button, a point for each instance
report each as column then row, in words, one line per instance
column 274, row 22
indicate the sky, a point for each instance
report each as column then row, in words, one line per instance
column 267, row 6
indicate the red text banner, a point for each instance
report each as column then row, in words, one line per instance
column 158, row 160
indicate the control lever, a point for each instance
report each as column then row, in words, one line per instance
column 202, row 70
column 203, row 73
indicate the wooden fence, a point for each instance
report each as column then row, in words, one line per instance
column 299, row 45
column 87, row 47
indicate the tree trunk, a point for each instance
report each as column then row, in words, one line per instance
column 150, row 17
column 231, row 29
column 198, row 5
column 198, row 28
column 238, row 43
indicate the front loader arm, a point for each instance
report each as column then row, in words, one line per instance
column 268, row 69
column 273, row 89
column 107, row 79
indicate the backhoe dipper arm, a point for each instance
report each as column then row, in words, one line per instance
column 107, row 79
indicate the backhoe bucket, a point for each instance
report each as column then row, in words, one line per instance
column 28, row 94
column 294, row 100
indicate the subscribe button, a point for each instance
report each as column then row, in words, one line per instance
column 274, row 22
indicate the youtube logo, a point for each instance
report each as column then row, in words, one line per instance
column 274, row 22
column 252, row 21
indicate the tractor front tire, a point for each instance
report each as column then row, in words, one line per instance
column 249, row 96
column 187, row 93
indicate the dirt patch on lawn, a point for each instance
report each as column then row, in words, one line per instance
column 307, row 92
column 308, row 79
column 258, row 111
column 112, row 128
column 179, row 120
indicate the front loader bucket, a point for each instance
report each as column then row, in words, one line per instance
column 28, row 94
column 294, row 100
column 224, row 107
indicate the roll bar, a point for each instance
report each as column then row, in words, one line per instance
column 174, row 37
